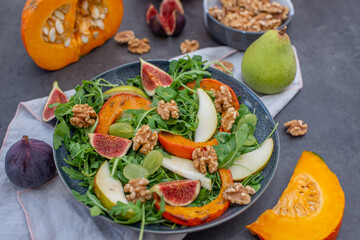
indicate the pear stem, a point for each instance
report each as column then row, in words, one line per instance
column 283, row 30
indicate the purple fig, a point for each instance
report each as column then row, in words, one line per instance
column 180, row 23
column 156, row 26
column 30, row 163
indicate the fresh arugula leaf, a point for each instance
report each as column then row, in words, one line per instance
column 166, row 93
column 61, row 132
column 95, row 211
column 74, row 174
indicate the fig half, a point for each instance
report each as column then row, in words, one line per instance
column 178, row 193
column 56, row 96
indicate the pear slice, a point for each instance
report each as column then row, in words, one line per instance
column 107, row 189
column 185, row 168
column 207, row 117
column 252, row 162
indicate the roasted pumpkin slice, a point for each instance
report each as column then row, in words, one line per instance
column 311, row 207
column 115, row 106
column 56, row 33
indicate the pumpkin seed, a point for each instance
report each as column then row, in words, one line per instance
column 85, row 5
column 95, row 34
column 67, row 42
column 102, row 16
column 124, row 130
column 84, row 38
column 95, row 13
column 52, row 35
column 153, row 161
column 132, row 171
column 59, row 15
column 59, row 26
column 100, row 24
column 105, row 10
column 46, row 31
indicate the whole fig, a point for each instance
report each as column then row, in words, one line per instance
column 30, row 163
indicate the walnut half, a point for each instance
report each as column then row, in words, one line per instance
column 139, row 46
column 166, row 109
column 237, row 193
column 296, row 128
column 228, row 120
column 146, row 138
column 189, row 46
column 84, row 116
column 137, row 189
column 202, row 156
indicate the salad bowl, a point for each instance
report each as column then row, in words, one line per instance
column 264, row 127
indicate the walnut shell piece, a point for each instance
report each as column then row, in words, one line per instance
column 84, row 116
column 189, row 46
column 202, row 156
column 146, row 138
column 139, row 46
column 124, row 36
column 166, row 109
column 237, row 193
column 137, row 189
column 296, row 128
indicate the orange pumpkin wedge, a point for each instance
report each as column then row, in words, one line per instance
column 208, row 84
column 180, row 146
column 56, row 33
column 115, row 105
column 311, row 207
column 191, row 216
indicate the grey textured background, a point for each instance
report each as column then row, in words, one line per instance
column 326, row 35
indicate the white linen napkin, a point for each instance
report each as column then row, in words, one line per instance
column 50, row 211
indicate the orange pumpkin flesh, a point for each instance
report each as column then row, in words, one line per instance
column 81, row 31
column 180, row 146
column 311, row 207
column 115, row 105
column 191, row 216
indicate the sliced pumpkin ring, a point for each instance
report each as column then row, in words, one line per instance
column 311, row 207
column 56, row 33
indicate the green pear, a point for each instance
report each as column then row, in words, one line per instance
column 269, row 64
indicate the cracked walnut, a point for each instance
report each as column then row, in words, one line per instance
column 146, row 138
column 84, row 116
column 139, row 46
column 137, row 189
column 124, row 36
column 228, row 120
column 296, row 128
column 202, row 156
column 237, row 193
column 223, row 99
column 189, row 46
column 167, row 109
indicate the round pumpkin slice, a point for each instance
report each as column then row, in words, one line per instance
column 311, row 207
column 56, row 33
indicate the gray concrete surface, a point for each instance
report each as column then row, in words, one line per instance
column 326, row 35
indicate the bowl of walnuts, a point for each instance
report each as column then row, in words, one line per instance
column 237, row 23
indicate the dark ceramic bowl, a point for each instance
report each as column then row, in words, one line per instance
column 264, row 127
column 232, row 37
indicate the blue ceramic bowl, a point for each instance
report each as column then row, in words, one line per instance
column 264, row 127
column 232, row 37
